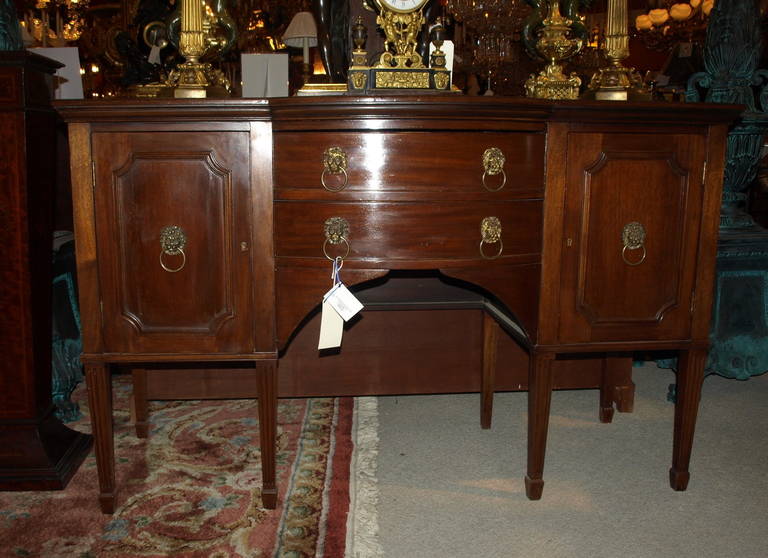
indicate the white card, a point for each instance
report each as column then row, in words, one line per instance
column 331, row 328
column 154, row 55
column 343, row 301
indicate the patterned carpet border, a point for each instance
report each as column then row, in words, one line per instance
column 192, row 489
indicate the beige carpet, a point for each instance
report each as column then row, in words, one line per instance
column 449, row 489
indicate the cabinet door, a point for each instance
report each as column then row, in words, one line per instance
column 632, row 218
column 181, row 290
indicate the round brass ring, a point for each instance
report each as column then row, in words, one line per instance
column 638, row 262
column 496, row 255
column 325, row 249
column 340, row 188
column 503, row 182
column 172, row 269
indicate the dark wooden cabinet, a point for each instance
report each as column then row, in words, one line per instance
column 617, row 288
column 591, row 226
column 37, row 452
column 194, row 298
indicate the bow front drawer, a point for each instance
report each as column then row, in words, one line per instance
column 396, row 165
column 410, row 232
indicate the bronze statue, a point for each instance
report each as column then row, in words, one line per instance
column 10, row 32
column 333, row 37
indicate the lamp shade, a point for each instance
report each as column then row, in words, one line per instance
column 302, row 31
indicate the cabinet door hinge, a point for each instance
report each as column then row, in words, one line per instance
column 93, row 175
column 704, row 174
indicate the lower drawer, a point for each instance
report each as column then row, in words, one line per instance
column 408, row 231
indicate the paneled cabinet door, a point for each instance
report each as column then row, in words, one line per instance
column 632, row 218
column 173, row 232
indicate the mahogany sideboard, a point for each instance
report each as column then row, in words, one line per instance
column 204, row 230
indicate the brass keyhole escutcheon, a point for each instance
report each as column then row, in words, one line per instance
column 490, row 233
column 336, row 232
column 173, row 240
column 633, row 238
column 493, row 164
column 334, row 163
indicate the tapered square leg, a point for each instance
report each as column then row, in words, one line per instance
column 140, row 403
column 100, row 402
column 267, row 393
column 539, row 401
column 690, row 376
column 490, row 339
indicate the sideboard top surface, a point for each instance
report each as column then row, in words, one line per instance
column 334, row 111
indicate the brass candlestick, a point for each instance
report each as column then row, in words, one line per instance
column 555, row 44
column 616, row 82
column 193, row 78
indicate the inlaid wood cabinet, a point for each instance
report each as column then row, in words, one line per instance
column 37, row 452
column 205, row 231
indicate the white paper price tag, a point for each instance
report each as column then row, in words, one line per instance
column 331, row 328
column 343, row 301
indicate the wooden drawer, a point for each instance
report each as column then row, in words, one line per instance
column 442, row 165
column 409, row 231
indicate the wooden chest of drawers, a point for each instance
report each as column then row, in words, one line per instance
column 592, row 225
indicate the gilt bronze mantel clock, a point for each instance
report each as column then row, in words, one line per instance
column 400, row 67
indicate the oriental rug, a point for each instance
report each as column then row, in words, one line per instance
column 192, row 489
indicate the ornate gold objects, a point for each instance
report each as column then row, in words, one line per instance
column 616, row 82
column 172, row 243
column 400, row 66
column 633, row 238
column 336, row 232
column 334, row 163
column 555, row 43
column 490, row 233
column 357, row 75
column 493, row 164
column 193, row 78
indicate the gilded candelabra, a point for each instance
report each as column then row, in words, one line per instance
column 615, row 82
column 193, row 78
column 555, row 43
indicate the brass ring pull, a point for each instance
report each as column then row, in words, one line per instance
column 633, row 238
column 493, row 164
column 173, row 269
column 336, row 232
column 172, row 243
column 490, row 231
column 325, row 248
column 626, row 261
column 334, row 162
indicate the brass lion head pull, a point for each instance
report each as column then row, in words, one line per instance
column 172, row 243
column 633, row 238
column 334, row 162
column 490, row 233
column 336, row 232
column 493, row 164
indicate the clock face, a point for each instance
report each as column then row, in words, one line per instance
column 402, row 5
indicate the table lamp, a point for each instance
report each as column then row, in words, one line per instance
column 302, row 33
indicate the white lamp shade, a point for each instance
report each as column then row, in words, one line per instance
column 302, row 31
